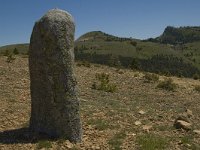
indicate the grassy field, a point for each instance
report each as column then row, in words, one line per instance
column 122, row 47
column 137, row 115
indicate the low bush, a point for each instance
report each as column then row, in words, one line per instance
column 196, row 76
column 197, row 88
column 150, row 77
column 15, row 51
column 167, row 84
column 103, row 83
column 44, row 144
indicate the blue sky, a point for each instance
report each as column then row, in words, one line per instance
column 126, row 18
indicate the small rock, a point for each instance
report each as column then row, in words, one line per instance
column 147, row 127
column 181, row 124
column 83, row 100
column 137, row 123
column 69, row 144
column 188, row 145
column 196, row 131
column 141, row 112
column 131, row 134
column 95, row 147
column 183, row 117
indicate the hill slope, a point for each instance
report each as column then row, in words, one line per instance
column 149, row 56
column 110, row 120
column 22, row 48
column 175, row 52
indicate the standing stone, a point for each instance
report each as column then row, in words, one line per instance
column 54, row 102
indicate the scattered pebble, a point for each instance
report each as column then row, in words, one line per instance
column 196, row 131
column 137, row 123
column 141, row 112
column 180, row 124
column 147, row 127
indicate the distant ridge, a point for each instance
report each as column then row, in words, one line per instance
column 22, row 48
column 99, row 36
column 180, row 35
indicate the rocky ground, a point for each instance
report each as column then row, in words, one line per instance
column 135, row 116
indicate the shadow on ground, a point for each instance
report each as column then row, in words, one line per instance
column 21, row 135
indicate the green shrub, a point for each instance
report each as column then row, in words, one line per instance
column 15, row 51
column 196, row 76
column 103, row 83
column 135, row 65
column 167, row 84
column 134, row 43
column 197, row 88
column 150, row 77
column 44, row 144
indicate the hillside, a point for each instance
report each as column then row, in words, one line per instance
column 159, row 55
column 138, row 115
column 96, row 47
column 99, row 36
column 22, row 48
column 180, row 35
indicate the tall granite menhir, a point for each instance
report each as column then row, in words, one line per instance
column 54, row 102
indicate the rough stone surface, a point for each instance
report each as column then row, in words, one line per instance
column 137, row 123
column 141, row 112
column 54, row 102
column 196, row 131
column 181, row 124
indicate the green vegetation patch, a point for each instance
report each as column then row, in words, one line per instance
column 151, row 142
column 117, row 140
column 44, row 144
column 196, row 76
column 150, row 77
column 103, row 83
column 99, row 124
column 167, row 84
column 188, row 142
